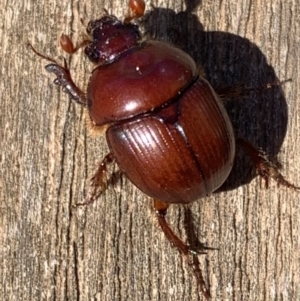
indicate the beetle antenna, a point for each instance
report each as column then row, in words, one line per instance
column 67, row 45
column 136, row 9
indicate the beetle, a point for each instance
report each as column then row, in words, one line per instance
column 166, row 127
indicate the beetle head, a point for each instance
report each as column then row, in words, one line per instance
column 110, row 38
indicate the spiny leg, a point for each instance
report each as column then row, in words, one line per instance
column 241, row 90
column 161, row 208
column 264, row 167
column 100, row 181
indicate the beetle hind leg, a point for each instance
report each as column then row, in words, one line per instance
column 160, row 208
column 265, row 168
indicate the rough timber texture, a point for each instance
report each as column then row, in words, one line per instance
column 113, row 250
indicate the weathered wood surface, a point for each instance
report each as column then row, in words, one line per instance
column 113, row 250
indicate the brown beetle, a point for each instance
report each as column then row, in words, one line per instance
column 166, row 127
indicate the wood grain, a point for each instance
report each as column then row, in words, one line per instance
column 113, row 250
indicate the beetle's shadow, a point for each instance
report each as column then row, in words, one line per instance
column 229, row 60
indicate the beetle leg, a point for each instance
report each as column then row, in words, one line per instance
column 241, row 90
column 264, row 167
column 63, row 78
column 161, row 208
column 99, row 181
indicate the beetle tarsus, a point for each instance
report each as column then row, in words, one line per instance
column 160, row 208
column 264, row 167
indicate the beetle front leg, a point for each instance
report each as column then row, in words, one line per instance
column 161, row 208
column 63, row 78
column 264, row 167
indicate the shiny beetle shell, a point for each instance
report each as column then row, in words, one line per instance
column 180, row 153
column 142, row 79
column 167, row 128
